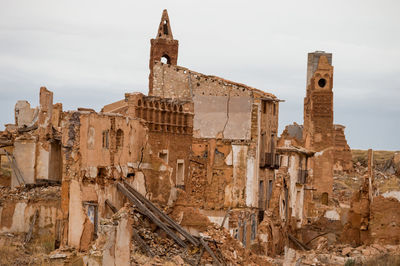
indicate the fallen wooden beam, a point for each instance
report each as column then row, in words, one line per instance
column 6, row 142
column 205, row 245
column 32, row 225
column 110, row 205
column 141, row 243
column 201, row 255
column 298, row 243
column 26, row 129
column 226, row 216
column 219, row 253
column 15, row 168
column 162, row 215
column 149, row 214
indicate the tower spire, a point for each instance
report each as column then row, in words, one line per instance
column 164, row 30
column 163, row 48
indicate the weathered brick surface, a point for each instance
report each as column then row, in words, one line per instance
column 318, row 121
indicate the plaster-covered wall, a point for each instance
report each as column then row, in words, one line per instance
column 24, row 153
column 24, row 114
column 222, row 116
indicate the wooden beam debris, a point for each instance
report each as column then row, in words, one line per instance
column 162, row 215
column 110, row 205
column 226, row 216
column 205, row 245
column 298, row 243
column 32, row 225
column 149, row 214
column 141, row 243
column 201, row 255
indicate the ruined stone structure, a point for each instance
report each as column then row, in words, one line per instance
column 163, row 48
column 294, row 170
column 196, row 141
column 342, row 154
column 318, row 119
column 37, row 155
column 203, row 148
column 318, row 133
column 233, row 149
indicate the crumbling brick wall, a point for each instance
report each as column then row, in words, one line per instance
column 342, row 155
column 169, row 139
column 97, row 150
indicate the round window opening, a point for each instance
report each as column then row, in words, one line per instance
column 322, row 83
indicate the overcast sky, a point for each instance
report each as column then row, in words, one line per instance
column 89, row 53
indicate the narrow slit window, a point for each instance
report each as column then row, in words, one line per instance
column 105, row 139
column 180, row 173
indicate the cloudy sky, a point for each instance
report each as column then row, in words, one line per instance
column 89, row 53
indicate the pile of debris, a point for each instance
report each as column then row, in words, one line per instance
column 157, row 239
column 346, row 183
column 151, row 246
column 344, row 255
column 43, row 193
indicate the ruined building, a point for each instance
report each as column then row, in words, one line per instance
column 196, row 141
column 318, row 133
column 311, row 152
column 202, row 148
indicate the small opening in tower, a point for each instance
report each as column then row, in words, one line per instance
column 165, row 59
column 165, row 27
column 322, row 83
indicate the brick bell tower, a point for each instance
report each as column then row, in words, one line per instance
column 318, row 120
column 163, row 48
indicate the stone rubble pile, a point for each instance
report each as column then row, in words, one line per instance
column 31, row 194
column 345, row 255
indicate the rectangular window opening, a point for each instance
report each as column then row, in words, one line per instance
column 105, row 139
column 163, row 155
column 264, row 107
column 180, row 173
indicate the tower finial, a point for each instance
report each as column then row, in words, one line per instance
column 164, row 30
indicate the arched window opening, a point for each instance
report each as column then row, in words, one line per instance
column 120, row 138
column 165, row 27
column 322, row 82
column 165, row 59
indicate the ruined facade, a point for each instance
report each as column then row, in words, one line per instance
column 196, row 141
column 295, row 193
column 202, row 148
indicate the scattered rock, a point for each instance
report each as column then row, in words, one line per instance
column 346, row 251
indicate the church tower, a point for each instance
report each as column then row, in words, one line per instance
column 318, row 131
column 163, row 48
column 318, row 103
